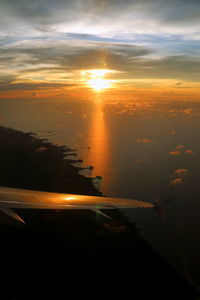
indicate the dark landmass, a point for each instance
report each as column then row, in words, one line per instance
column 66, row 254
column 29, row 162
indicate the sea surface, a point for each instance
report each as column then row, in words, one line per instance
column 139, row 149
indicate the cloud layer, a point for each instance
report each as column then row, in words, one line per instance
column 48, row 43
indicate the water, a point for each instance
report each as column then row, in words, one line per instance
column 148, row 150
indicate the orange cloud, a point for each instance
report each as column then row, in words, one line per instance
column 187, row 111
column 144, row 141
column 189, row 151
column 181, row 172
column 179, row 147
column 172, row 132
column 176, row 181
column 174, row 153
column 178, row 174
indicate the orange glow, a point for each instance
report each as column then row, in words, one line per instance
column 87, row 82
column 98, row 73
column 98, row 146
column 95, row 79
column 69, row 198
column 99, row 84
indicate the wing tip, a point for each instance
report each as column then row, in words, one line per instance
column 12, row 214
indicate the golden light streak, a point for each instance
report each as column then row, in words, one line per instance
column 98, row 142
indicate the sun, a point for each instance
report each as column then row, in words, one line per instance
column 99, row 84
column 95, row 79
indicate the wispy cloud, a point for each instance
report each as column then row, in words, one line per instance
column 141, row 16
column 141, row 39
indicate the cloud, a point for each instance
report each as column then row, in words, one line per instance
column 176, row 181
column 181, row 172
column 189, row 151
column 177, row 152
column 179, row 175
column 143, row 39
column 143, row 141
column 172, row 132
column 6, row 78
column 175, row 67
column 115, row 16
column 70, row 55
column 33, row 86
column 180, row 147
column 188, row 111
column 174, row 153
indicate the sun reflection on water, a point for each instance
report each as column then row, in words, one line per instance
column 98, row 154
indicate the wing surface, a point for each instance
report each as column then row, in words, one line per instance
column 20, row 198
column 11, row 198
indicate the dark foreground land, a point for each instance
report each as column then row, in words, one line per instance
column 70, row 254
column 33, row 163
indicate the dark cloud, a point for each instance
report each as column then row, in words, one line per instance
column 43, row 15
column 133, row 60
column 180, row 67
column 73, row 56
column 65, row 36
column 32, row 86
column 6, row 79
column 177, row 10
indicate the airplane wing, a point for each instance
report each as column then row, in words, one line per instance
column 11, row 198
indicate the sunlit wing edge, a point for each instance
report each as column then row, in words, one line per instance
column 11, row 198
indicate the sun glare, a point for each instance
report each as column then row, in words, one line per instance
column 98, row 73
column 99, row 84
column 95, row 79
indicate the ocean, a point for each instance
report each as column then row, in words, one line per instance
column 140, row 149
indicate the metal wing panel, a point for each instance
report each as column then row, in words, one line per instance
column 20, row 198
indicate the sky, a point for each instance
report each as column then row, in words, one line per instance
column 48, row 48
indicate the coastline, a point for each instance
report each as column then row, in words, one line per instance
column 33, row 163
column 90, row 250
